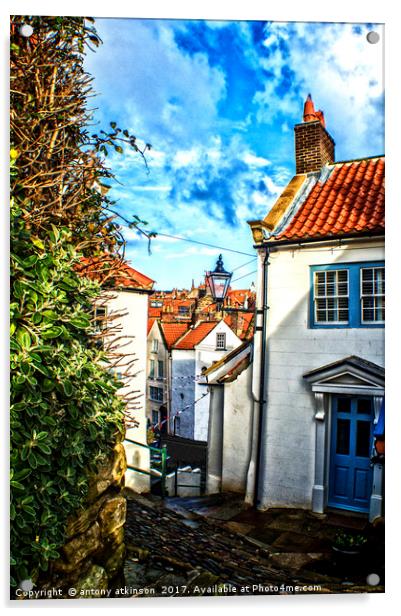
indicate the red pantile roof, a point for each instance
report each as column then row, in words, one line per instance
column 173, row 332
column 347, row 199
column 150, row 324
column 154, row 313
column 111, row 272
column 196, row 335
column 242, row 324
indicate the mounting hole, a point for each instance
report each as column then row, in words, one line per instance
column 26, row 585
column 373, row 579
column 373, row 37
column 26, row 30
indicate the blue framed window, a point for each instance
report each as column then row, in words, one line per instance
column 347, row 295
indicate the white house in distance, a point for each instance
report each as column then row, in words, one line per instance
column 192, row 354
column 318, row 368
column 161, row 337
column 124, row 307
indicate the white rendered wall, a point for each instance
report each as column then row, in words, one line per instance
column 237, row 432
column 292, row 350
column 133, row 323
column 206, row 354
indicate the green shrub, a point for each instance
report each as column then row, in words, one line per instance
column 65, row 412
column 65, row 415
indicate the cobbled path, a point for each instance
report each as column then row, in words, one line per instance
column 190, row 547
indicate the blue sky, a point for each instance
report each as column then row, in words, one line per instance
column 218, row 102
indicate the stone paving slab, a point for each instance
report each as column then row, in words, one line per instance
column 182, row 544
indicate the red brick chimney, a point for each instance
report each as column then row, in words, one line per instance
column 314, row 146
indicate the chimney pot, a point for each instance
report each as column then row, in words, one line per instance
column 314, row 146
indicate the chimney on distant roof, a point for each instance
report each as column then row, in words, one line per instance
column 314, row 146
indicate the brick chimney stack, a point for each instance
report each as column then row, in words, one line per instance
column 314, row 146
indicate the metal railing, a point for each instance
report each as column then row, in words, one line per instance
column 153, row 471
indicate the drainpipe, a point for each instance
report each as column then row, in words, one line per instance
column 169, row 382
column 258, row 386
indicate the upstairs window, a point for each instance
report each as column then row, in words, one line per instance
column 331, row 296
column 156, row 393
column 152, row 369
column 160, row 369
column 347, row 295
column 372, row 294
column 155, row 345
column 220, row 342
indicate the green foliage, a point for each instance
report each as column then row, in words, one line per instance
column 349, row 541
column 65, row 415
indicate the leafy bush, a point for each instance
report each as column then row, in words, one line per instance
column 65, row 412
column 65, row 415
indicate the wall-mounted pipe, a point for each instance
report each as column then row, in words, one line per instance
column 258, row 384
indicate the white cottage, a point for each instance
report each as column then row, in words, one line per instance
column 318, row 376
column 123, row 311
column 161, row 337
column 192, row 354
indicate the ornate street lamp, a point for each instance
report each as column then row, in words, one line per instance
column 219, row 281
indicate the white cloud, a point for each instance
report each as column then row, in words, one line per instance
column 165, row 93
column 342, row 71
column 255, row 161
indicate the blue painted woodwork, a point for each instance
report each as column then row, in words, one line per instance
column 354, row 294
column 350, row 480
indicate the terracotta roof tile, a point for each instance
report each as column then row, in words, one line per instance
column 109, row 271
column 196, row 335
column 350, row 200
column 173, row 332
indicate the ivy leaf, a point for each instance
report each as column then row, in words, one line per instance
column 52, row 332
column 67, row 387
column 44, row 448
column 47, row 385
column 80, row 322
column 23, row 338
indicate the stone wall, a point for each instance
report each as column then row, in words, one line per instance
column 93, row 555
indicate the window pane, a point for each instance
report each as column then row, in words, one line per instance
column 220, row 341
column 363, row 439
column 343, row 432
column 343, row 405
column 331, row 296
column 372, row 294
column 364, row 405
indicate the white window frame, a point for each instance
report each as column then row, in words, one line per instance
column 337, row 297
column 373, row 296
column 221, row 336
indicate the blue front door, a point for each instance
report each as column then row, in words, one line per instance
column 350, row 481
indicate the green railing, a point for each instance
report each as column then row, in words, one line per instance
column 160, row 474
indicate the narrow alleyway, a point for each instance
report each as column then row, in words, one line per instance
column 212, row 546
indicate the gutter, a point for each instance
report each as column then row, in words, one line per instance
column 320, row 240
